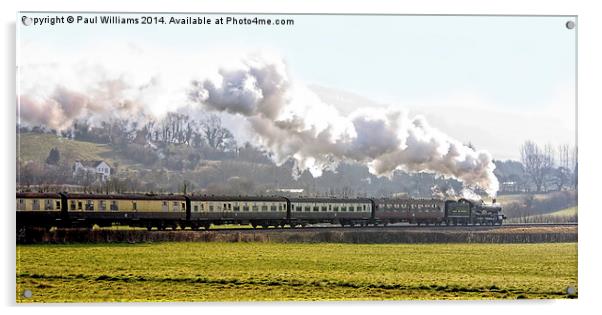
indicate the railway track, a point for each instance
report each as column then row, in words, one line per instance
column 386, row 228
column 326, row 228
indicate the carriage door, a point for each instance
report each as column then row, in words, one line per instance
column 165, row 207
column 226, row 208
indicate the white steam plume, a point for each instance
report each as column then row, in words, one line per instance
column 61, row 107
column 291, row 122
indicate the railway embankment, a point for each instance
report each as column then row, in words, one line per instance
column 407, row 235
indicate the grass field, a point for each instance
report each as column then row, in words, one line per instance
column 568, row 212
column 271, row 271
column 36, row 147
column 563, row 215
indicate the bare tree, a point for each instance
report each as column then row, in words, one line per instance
column 550, row 173
column 217, row 137
column 575, row 166
column 563, row 156
column 536, row 163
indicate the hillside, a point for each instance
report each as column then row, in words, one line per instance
column 561, row 216
column 35, row 147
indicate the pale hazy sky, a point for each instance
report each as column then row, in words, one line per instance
column 492, row 80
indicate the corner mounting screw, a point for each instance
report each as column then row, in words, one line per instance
column 570, row 25
column 27, row 294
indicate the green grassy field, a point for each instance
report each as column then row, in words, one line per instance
column 563, row 215
column 270, row 271
column 35, row 147
column 572, row 211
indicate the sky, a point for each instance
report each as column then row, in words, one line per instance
column 494, row 81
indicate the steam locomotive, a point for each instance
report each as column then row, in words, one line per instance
column 200, row 211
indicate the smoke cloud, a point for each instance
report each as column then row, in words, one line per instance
column 287, row 119
column 62, row 107
column 292, row 122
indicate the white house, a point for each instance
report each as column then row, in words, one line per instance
column 99, row 168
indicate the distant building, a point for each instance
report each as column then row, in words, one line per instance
column 510, row 187
column 100, row 169
column 297, row 191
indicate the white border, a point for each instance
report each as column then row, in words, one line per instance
column 590, row 85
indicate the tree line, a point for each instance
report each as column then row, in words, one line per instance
column 541, row 168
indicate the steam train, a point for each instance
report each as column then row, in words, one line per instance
column 195, row 211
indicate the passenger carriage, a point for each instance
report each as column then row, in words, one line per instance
column 148, row 211
column 41, row 209
column 258, row 211
column 331, row 210
column 415, row 211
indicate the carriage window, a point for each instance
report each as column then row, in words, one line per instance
column 183, row 206
column 364, row 207
column 35, row 205
column 210, row 208
column 58, row 205
column 264, row 208
column 245, row 208
column 273, row 208
column 114, row 206
column 280, row 207
column 344, row 208
column 329, row 207
column 336, row 208
column 196, row 208
column 102, row 205
column 316, row 208
column 229, row 206
column 255, row 208
column 307, row 208
column 351, row 208
column 89, row 205
column 324, row 208
column 79, row 205
column 134, row 205
column 236, row 207
column 202, row 207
